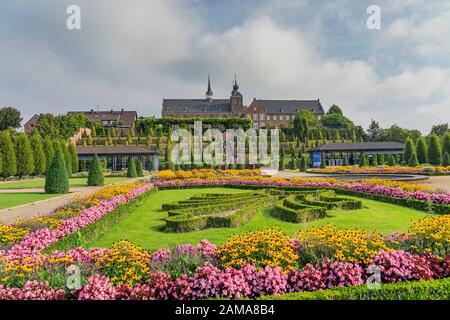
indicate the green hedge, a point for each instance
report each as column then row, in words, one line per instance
column 94, row 230
column 417, row 290
column 329, row 200
column 300, row 213
column 199, row 221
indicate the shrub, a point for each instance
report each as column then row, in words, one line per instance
column 56, row 177
column 363, row 162
column 262, row 248
column 95, row 175
column 409, row 149
column 446, row 160
column 139, row 169
column 301, row 213
column 131, row 171
column 434, row 150
column 303, row 164
column 8, row 156
column 391, row 161
column 413, row 162
column 24, row 156
column 421, row 147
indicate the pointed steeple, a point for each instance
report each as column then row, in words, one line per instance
column 235, row 91
column 209, row 93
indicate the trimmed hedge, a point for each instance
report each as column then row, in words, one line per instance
column 417, row 290
column 329, row 200
column 301, row 212
column 56, row 177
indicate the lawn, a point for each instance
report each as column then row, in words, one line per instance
column 145, row 225
column 8, row 200
column 39, row 183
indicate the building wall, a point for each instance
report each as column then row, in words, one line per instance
column 262, row 119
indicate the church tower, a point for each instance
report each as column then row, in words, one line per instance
column 209, row 93
column 236, row 103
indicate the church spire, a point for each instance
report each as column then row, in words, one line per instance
column 209, row 93
column 235, row 91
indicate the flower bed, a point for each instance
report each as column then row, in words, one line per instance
column 424, row 170
column 252, row 265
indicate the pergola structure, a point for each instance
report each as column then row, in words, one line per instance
column 335, row 153
column 117, row 157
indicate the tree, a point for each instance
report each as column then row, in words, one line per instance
column 148, row 141
column 69, row 169
column 363, row 161
column 9, row 167
column 446, row 159
column 109, row 140
column 131, row 171
column 334, row 118
column 73, row 158
column 413, row 162
column 381, row 159
column 139, row 169
column 24, row 156
column 56, row 178
column 9, row 118
column 345, row 161
column 40, row 161
column 434, row 150
column 374, row 131
column 323, row 165
column 303, row 164
column 409, row 149
column 391, row 160
column 421, row 150
column 49, row 151
column 95, row 175
column 446, row 143
column 440, row 129
column 293, row 163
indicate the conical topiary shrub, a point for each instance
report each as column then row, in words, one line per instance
column 446, row 160
column 303, row 164
column 139, row 169
column 95, row 176
column 131, row 172
column 413, row 162
column 391, row 161
column 56, row 177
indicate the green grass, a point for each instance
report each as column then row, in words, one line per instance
column 144, row 226
column 39, row 183
column 8, row 200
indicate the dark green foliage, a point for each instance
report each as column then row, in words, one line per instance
column 24, row 156
column 303, row 164
column 73, row 158
column 69, row 169
column 40, row 161
column 9, row 118
column 446, row 143
column 434, row 150
column 345, row 161
column 131, row 171
column 139, row 169
column 49, row 151
column 363, row 161
column 391, row 160
column 322, row 162
column 413, row 162
column 409, row 149
column 9, row 167
column 56, row 177
column 446, row 159
column 421, row 149
column 95, row 175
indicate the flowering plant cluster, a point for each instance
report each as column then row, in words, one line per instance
column 205, row 174
column 262, row 248
column 394, row 192
column 347, row 245
column 383, row 169
column 70, row 218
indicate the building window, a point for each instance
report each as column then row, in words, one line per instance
column 268, row 117
column 261, row 116
column 255, row 125
column 254, row 108
column 274, row 117
column 263, row 124
column 249, row 116
column 255, row 117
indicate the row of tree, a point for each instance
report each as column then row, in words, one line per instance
column 433, row 150
column 21, row 155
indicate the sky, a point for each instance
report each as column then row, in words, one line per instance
column 132, row 54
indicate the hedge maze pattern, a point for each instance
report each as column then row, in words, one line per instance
column 217, row 210
column 303, row 206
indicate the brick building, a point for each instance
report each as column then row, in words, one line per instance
column 274, row 113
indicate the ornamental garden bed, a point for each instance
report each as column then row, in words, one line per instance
column 253, row 262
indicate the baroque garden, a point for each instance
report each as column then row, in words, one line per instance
column 139, row 225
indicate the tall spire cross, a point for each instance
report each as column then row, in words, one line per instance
column 209, row 92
